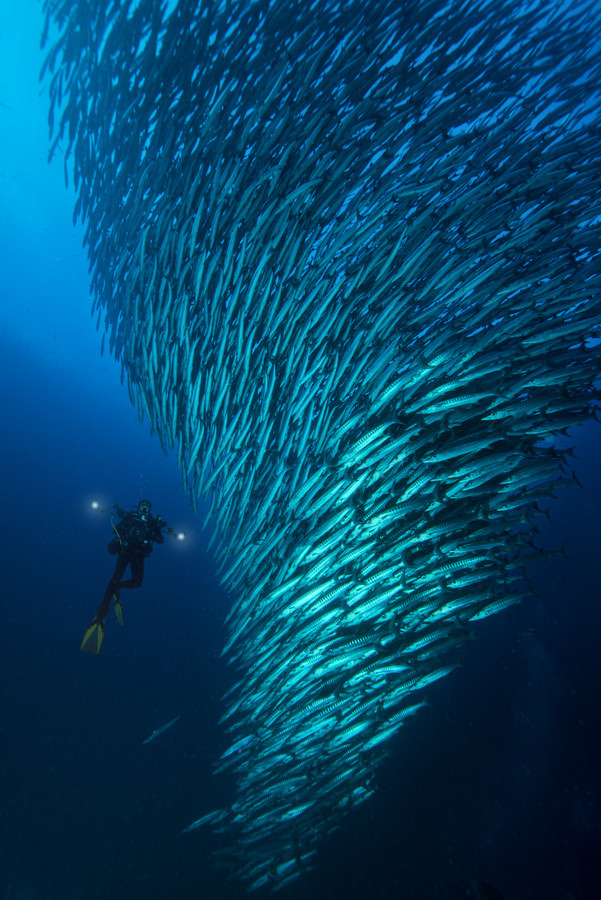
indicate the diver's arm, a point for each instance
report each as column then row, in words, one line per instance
column 157, row 534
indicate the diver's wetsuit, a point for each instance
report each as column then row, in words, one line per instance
column 132, row 547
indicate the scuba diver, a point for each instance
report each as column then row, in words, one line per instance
column 132, row 544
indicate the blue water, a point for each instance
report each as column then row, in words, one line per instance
column 497, row 779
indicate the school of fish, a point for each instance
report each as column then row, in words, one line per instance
column 348, row 255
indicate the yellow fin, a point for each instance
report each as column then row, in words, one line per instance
column 92, row 639
column 118, row 609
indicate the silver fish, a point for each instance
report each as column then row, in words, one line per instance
column 350, row 265
column 158, row 731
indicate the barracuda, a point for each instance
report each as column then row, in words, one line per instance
column 357, row 282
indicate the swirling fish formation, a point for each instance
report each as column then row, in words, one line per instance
column 349, row 257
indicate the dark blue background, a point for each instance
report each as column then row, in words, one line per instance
column 497, row 779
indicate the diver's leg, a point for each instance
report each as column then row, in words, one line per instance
column 136, row 564
column 112, row 586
